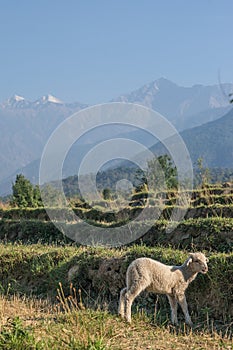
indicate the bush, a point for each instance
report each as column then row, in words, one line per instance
column 15, row 337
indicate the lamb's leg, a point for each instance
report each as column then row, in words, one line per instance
column 121, row 308
column 135, row 289
column 173, row 304
column 183, row 303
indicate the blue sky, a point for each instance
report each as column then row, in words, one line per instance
column 93, row 51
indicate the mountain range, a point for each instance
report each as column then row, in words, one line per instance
column 202, row 114
column 26, row 126
column 212, row 141
column 184, row 107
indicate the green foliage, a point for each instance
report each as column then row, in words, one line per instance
column 203, row 176
column 104, row 179
column 142, row 188
column 91, row 345
column 109, row 178
column 51, row 196
column 32, row 231
column 107, row 194
column 162, row 173
column 207, row 221
column 25, row 194
column 16, row 337
column 214, row 175
column 37, row 270
column 37, row 201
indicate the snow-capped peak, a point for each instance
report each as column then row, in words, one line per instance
column 18, row 98
column 48, row 98
column 14, row 101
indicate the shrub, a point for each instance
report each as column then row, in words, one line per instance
column 16, row 337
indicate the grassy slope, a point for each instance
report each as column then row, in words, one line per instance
column 98, row 330
column 30, row 277
column 38, row 269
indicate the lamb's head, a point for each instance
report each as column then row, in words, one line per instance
column 197, row 262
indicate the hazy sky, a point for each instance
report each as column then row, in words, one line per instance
column 93, row 51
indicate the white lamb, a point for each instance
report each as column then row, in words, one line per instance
column 153, row 276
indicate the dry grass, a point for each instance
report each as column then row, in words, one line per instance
column 70, row 322
column 28, row 309
column 74, row 327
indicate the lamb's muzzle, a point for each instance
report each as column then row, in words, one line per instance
column 151, row 275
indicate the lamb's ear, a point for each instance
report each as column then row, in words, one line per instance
column 189, row 260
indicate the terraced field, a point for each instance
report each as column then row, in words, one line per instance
column 56, row 294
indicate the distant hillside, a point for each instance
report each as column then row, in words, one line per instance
column 212, row 141
column 26, row 126
column 185, row 107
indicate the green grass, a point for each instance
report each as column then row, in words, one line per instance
column 37, row 270
column 207, row 223
column 14, row 336
column 40, row 309
column 209, row 233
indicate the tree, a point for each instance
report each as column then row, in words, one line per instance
column 106, row 194
column 37, row 196
column 52, row 196
column 25, row 194
column 203, row 176
column 161, row 172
